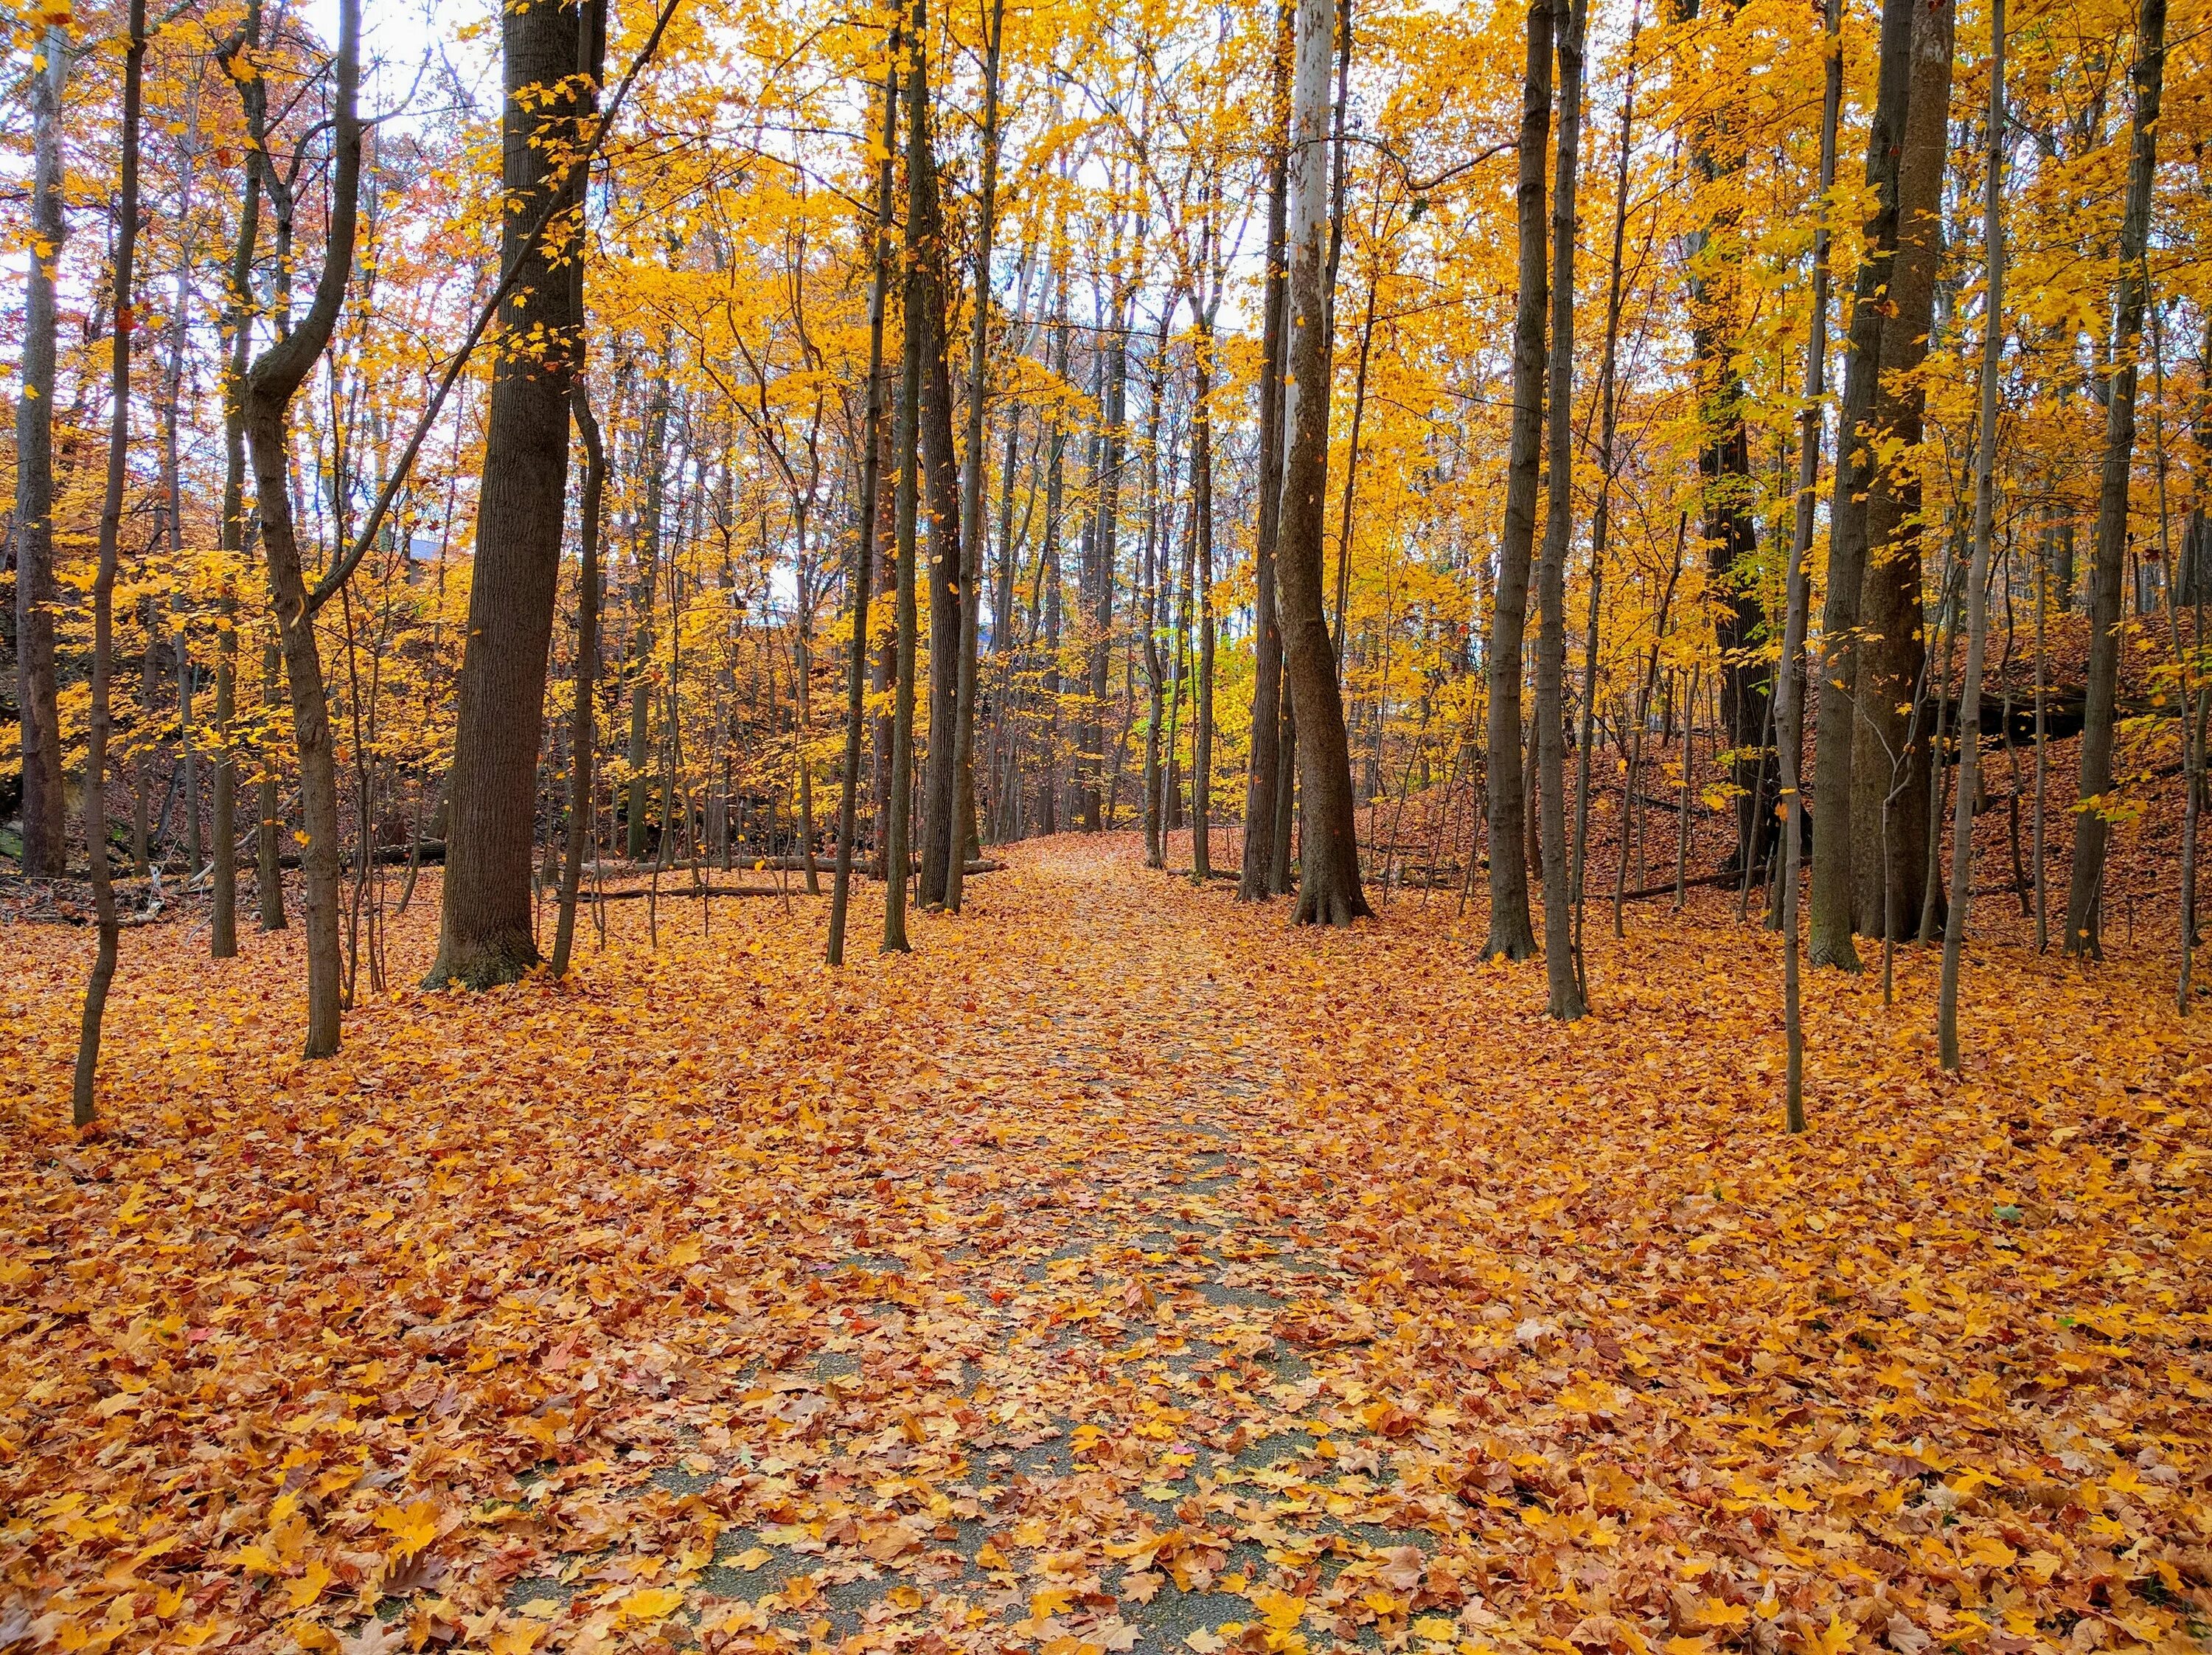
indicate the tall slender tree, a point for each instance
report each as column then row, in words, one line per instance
column 45, row 833
column 1564, row 988
column 2092, row 825
column 274, row 379
column 1511, row 933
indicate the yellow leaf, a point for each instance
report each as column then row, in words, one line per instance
column 651, row 1604
column 309, row 1587
column 410, row 1530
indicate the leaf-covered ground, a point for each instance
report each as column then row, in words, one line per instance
column 1120, row 1271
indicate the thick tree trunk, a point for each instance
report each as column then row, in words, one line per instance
column 484, row 932
column 1829, row 928
column 1565, row 1001
column 45, row 832
column 1510, row 934
column 1891, row 745
column 2091, row 828
column 1328, row 865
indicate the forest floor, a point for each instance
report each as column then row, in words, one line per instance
column 1121, row 1270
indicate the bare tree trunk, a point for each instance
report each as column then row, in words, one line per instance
column 1328, row 878
column 1255, row 880
column 1789, row 673
column 582, row 734
column 1978, row 623
column 897, row 858
column 45, row 831
column 871, row 482
column 484, row 933
column 1565, row 1001
column 103, row 586
column 1888, row 730
column 971, row 480
column 1510, row 934
column 222, row 941
column 2091, row 829
column 1201, row 506
column 1830, row 927
column 275, row 377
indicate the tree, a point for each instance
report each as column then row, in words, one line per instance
column 1510, row 934
column 270, row 383
column 103, row 586
column 2092, row 825
column 1328, row 863
column 44, row 832
column 1977, row 573
column 1255, row 879
column 1891, row 747
column 1830, row 929
column 1566, row 990
column 864, row 529
column 484, row 934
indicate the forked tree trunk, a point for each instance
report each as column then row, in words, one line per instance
column 1829, row 940
column 1891, row 750
column 1329, row 866
column 270, row 385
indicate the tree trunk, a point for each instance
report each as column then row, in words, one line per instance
column 1833, row 904
column 1565, row 1001
column 1977, row 627
column 940, row 486
column 274, row 379
column 45, row 832
column 864, row 532
column 103, row 586
column 1328, row 871
column 484, row 933
column 2092, row 828
column 1201, row 508
column 1890, row 746
column 1255, row 880
column 1510, row 934
column 1789, row 688
column 915, row 323
column 971, row 481
column 223, row 941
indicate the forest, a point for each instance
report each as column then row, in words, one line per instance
column 981, row 829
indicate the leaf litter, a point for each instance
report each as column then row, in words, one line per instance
column 1119, row 1272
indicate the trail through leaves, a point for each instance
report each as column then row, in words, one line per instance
column 1120, row 1271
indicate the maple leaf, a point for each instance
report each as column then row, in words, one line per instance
column 411, row 1529
column 373, row 1637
